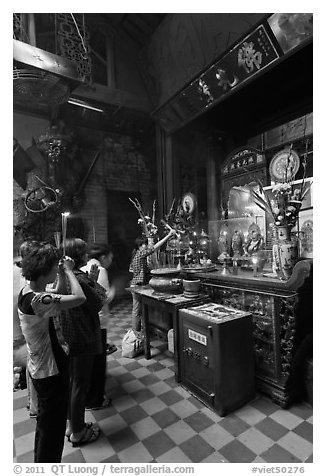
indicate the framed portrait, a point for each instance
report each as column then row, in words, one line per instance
column 189, row 203
column 305, row 228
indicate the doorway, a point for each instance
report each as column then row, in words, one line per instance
column 123, row 226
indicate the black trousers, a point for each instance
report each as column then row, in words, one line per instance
column 80, row 376
column 53, row 395
column 96, row 390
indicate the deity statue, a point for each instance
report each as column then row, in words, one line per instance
column 223, row 244
column 237, row 245
column 254, row 241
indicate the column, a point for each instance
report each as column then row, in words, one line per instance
column 165, row 171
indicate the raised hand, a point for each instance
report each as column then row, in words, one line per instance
column 66, row 264
column 94, row 272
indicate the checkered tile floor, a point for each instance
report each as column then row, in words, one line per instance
column 153, row 419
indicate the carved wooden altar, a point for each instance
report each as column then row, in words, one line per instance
column 282, row 316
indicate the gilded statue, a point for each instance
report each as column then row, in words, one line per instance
column 223, row 244
column 237, row 244
column 254, row 241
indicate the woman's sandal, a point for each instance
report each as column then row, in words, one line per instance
column 110, row 349
column 89, row 436
column 69, row 431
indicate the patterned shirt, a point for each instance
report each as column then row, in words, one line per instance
column 81, row 324
column 37, row 312
column 139, row 266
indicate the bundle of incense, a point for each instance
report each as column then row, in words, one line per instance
column 64, row 217
column 57, row 238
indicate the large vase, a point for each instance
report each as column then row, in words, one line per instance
column 285, row 252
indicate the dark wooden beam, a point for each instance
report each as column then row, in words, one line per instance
column 31, row 56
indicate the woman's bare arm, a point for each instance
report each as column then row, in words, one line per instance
column 76, row 296
column 163, row 240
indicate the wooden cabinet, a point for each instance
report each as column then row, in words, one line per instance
column 163, row 307
column 282, row 317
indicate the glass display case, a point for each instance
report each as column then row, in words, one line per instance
column 241, row 237
column 232, row 236
column 242, row 231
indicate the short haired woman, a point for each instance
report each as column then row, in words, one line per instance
column 47, row 351
column 81, row 328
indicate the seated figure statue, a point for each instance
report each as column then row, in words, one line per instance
column 254, row 241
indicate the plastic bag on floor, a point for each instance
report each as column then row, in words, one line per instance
column 131, row 345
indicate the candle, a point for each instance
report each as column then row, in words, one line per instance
column 255, row 262
column 235, row 267
column 64, row 217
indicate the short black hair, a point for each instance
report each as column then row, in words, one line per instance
column 25, row 248
column 28, row 246
column 141, row 240
column 39, row 260
column 76, row 249
column 99, row 249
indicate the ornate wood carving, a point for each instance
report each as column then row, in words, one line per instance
column 280, row 322
column 194, row 41
column 73, row 42
column 241, row 167
column 300, row 273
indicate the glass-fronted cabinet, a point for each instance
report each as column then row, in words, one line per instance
column 240, row 234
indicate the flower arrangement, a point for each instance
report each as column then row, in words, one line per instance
column 285, row 205
column 287, row 199
column 146, row 222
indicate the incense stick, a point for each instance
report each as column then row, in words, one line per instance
column 64, row 217
column 57, row 237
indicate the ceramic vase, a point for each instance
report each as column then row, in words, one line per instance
column 286, row 252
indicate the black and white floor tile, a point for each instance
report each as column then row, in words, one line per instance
column 153, row 419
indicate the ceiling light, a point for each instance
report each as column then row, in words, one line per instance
column 78, row 102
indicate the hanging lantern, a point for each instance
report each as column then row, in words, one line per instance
column 53, row 142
